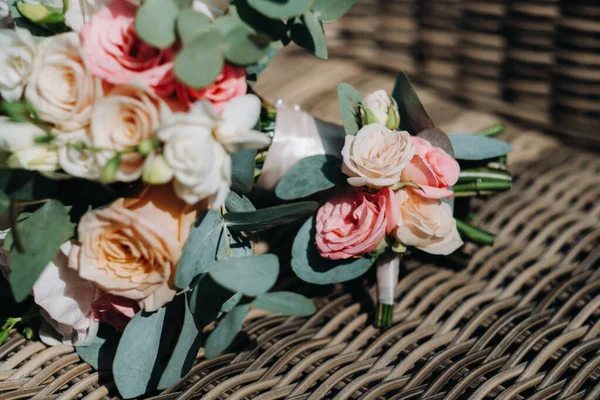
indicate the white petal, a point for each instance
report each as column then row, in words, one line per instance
column 16, row 136
column 242, row 113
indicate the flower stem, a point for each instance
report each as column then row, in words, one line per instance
column 388, row 265
column 470, row 175
column 384, row 316
column 482, row 187
column 491, row 131
column 475, row 234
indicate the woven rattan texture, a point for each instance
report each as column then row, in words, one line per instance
column 536, row 60
column 521, row 322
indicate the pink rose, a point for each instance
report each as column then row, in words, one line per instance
column 431, row 168
column 230, row 83
column 353, row 223
column 114, row 310
column 116, row 54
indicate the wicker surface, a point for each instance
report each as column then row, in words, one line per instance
column 521, row 322
column 535, row 60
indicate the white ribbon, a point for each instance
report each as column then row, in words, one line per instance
column 388, row 268
column 297, row 136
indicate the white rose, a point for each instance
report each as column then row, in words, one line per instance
column 66, row 303
column 75, row 159
column 426, row 224
column 236, row 122
column 380, row 108
column 80, row 11
column 376, row 156
column 36, row 158
column 211, row 8
column 201, row 165
column 17, row 55
column 123, row 119
column 4, row 13
column 61, row 87
column 16, row 136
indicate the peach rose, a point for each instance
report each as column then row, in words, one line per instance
column 131, row 248
column 431, row 168
column 353, row 223
column 114, row 310
column 426, row 224
column 128, row 115
column 114, row 51
column 376, row 156
column 230, row 83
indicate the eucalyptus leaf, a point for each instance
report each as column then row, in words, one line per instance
column 268, row 218
column 101, row 352
column 476, row 147
column 237, row 245
column 25, row 185
column 286, row 303
column 222, row 337
column 349, row 99
column 438, row 138
column 201, row 248
column 413, row 117
column 275, row 28
column 251, row 276
column 238, row 203
column 41, row 234
column 280, row 9
column 201, row 60
column 254, row 70
column 308, row 264
column 307, row 32
column 191, row 24
column 244, row 46
column 4, row 202
column 207, row 300
column 231, row 303
column 310, row 175
column 155, row 22
column 330, row 10
column 185, row 351
column 242, row 171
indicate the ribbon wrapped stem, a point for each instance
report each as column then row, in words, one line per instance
column 388, row 267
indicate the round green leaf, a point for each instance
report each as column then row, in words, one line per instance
column 251, row 276
column 330, row 10
column 223, row 335
column 155, row 23
column 308, row 264
column 286, row 303
column 349, row 99
column 191, row 24
column 201, row 60
column 245, row 47
column 307, row 32
column 280, row 9
column 475, row 147
column 310, row 175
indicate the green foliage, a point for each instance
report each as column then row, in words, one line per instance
column 244, row 46
column 238, row 203
column 4, row 202
column 275, row 28
column 185, row 351
column 349, row 100
column 191, row 24
column 308, row 264
column 438, row 138
column 310, row 175
column 476, row 147
column 251, row 276
column 225, row 332
column 155, row 22
column 25, row 185
column 101, row 352
column 270, row 217
column 49, row 23
column 413, row 117
column 207, row 300
column 206, row 50
column 307, row 32
column 242, row 171
column 41, row 235
column 330, row 10
column 201, row 248
column 280, row 9
column 286, row 303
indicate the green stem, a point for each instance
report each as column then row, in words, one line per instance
column 483, row 185
column 475, row 234
column 491, row 131
column 384, row 316
column 469, row 175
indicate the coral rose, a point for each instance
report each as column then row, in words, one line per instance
column 114, row 51
column 353, row 223
column 434, row 170
column 376, row 156
column 230, row 83
column 426, row 224
column 131, row 248
column 115, row 311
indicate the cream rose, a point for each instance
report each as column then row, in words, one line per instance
column 379, row 107
column 426, row 224
column 123, row 119
column 74, row 159
column 131, row 248
column 61, row 87
column 201, row 165
column 36, row 158
column 376, row 156
column 17, row 56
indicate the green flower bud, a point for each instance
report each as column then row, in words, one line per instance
column 109, row 172
column 156, row 170
column 39, row 13
column 380, row 108
column 147, row 146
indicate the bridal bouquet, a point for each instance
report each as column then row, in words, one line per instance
column 128, row 139
column 389, row 191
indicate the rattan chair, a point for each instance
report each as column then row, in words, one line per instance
column 521, row 321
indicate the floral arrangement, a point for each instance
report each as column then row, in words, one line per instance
column 391, row 193
column 128, row 141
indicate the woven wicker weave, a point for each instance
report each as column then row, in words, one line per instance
column 521, row 322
